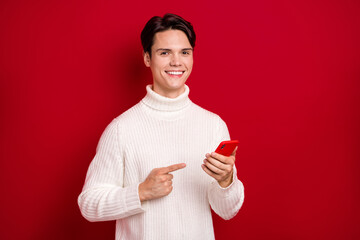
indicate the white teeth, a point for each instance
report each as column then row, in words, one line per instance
column 175, row 73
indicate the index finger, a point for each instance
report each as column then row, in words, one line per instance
column 223, row 159
column 172, row 168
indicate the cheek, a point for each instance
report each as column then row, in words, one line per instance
column 159, row 65
column 189, row 64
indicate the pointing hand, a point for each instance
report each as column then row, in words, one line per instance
column 158, row 183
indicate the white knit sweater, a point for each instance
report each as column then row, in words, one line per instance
column 158, row 132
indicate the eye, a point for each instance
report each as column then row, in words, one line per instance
column 164, row 53
column 187, row 52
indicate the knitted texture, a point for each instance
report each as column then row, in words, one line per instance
column 158, row 132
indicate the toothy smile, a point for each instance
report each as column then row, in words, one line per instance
column 176, row 73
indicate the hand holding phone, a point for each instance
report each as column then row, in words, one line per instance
column 219, row 164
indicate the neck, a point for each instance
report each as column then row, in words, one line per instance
column 159, row 102
column 169, row 93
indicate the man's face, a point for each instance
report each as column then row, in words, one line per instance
column 170, row 63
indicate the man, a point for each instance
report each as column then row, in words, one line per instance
column 149, row 172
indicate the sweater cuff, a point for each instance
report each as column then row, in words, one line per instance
column 132, row 200
column 229, row 190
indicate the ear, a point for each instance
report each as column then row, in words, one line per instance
column 147, row 59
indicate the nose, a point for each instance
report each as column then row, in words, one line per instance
column 175, row 60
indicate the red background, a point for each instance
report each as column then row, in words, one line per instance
column 284, row 75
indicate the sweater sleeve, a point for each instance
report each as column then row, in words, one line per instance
column 104, row 197
column 226, row 202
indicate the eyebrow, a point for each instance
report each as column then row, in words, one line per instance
column 169, row 50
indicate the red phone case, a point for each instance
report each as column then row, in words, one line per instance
column 227, row 147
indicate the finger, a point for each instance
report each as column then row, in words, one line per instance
column 209, row 172
column 216, row 163
column 172, row 168
column 221, row 158
column 234, row 152
column 169, row 177
column 213, row 168
column 168, row 183
column 164, row 177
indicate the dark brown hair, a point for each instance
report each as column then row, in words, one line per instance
column 159, row 24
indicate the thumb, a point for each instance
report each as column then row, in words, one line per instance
column 234, row 152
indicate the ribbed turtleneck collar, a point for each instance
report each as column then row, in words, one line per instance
column 161, row 103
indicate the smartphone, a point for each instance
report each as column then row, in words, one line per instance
column 227, row 147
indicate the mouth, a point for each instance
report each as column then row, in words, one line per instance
column 175, row 73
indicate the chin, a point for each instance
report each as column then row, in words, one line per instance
column 177, row 86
